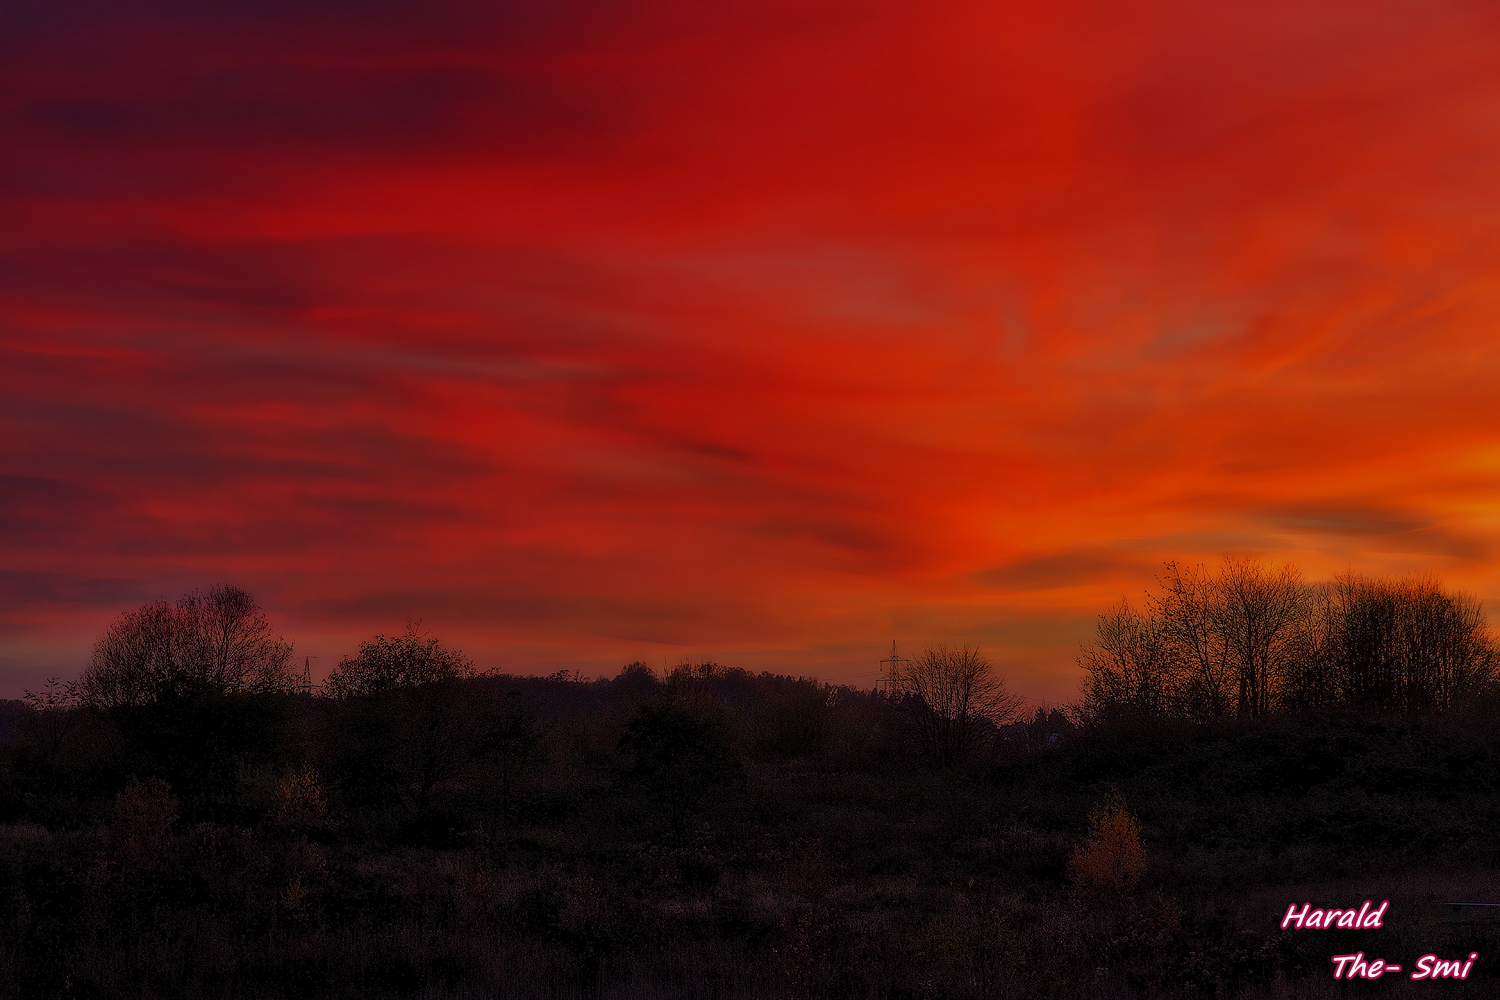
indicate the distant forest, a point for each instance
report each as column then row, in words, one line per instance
column 188, row 819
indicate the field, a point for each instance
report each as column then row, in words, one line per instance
column 723, row 835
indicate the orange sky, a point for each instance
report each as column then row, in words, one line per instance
column 766, row 332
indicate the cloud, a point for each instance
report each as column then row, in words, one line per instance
column 1068, row 569
column 21, row 589
column 1346, row 519
column 758, row 327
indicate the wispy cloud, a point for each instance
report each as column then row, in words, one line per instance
column 593, row 330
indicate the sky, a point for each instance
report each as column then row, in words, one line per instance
column 587, row 331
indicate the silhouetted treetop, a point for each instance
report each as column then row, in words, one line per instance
column 218, row 640
column 952, row 694
column 1251, row 640
column 1406, row 644
column 386, row 663
column 636, row 679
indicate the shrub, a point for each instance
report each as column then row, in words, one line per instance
column 1114, row 859
column 299, row 799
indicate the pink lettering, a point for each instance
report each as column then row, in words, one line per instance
column 1350, row 966
column 1429, row 966
column 1307, row 917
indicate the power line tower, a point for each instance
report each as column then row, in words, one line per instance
column 305, row 685
column 890, row 671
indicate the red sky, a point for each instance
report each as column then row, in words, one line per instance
column 760, row 331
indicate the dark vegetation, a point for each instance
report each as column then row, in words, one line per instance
column 1251, row 641
column 208, row 830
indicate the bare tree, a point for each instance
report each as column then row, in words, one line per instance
column 1207, row 646
column 218, row 639
column 1253, row 639
column 950, row 694
column 1263, row 615
column 1234, row 637
column 1129, row 670
column 1188, row 620
column 1405, row 644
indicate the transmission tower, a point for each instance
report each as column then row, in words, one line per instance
column 304, row 686
column 890, row 670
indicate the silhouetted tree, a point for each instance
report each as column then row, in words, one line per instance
column 1251, row 640
column 1048, row 727
column 1207, row 646
column 1263, row 614
column 795, row 722
column 397, row 746
column 186, row 686
column 1186, row 619
column 1404, row 644
column 408, row 723
column 1231, row 638
column 635, row 680
column 1130, row 671
column 951, row 694
column 216, row 640
column 51, row 717
column 386, row 663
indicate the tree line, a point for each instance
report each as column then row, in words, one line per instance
column 201, row 694
column 1252, row 639
column 1245, row 641
column 219, row 642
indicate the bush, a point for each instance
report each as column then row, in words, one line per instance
column 1114, row 858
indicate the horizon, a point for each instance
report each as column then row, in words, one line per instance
column 864, row 679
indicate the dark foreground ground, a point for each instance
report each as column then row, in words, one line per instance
column 731, row 837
